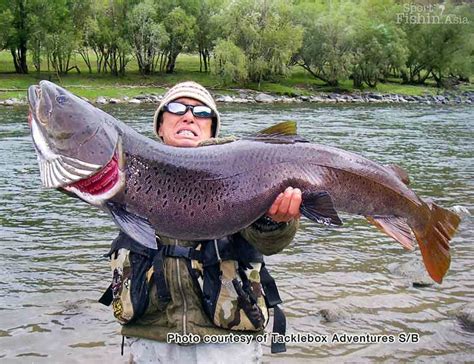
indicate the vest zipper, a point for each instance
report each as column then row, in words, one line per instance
column 185, row 303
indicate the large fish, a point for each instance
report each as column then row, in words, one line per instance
column 213, row 191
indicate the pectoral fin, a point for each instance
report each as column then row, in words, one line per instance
column 137, row 227
column 394, row 227
column 319, row 207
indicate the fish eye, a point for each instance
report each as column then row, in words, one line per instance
column 61, row 99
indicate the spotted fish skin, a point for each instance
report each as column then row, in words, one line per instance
column 219, row 189
column 216, row 190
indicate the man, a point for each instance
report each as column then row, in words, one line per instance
column 187, row 117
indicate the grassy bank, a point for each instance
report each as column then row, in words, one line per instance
column 134, row 84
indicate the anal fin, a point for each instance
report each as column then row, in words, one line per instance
column 137, row 227
column 394, row 227
column 319, row 207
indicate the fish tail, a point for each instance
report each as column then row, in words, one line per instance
column 434, row 238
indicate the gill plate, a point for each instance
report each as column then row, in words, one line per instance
column 58, row 170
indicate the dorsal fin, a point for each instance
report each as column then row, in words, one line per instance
column 399, row 172
column 283, row 128
column 282, row 133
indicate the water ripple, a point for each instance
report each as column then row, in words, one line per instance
column 54, row 271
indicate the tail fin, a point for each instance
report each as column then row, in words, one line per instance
column 434, row 241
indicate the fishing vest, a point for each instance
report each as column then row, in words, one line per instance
column 236, row 289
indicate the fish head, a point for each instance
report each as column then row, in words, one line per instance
column 75, row 141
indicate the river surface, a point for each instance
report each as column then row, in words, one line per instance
column 53, row 269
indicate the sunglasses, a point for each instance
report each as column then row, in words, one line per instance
column 199, row 111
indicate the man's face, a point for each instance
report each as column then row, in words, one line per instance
column 185, row 130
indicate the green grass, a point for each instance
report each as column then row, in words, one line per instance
column 397, row 88
column 133, row 83
column 467, row 87
column 94, row 84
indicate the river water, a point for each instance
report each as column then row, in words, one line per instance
column 53, row 269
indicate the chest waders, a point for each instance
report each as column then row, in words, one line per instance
column 229, row 272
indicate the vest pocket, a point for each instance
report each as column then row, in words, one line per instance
column 132, row 272
column 130, row 284
column 232, row 293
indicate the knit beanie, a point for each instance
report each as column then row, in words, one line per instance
column 191, row 90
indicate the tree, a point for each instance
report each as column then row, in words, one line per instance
column 180, row 29
column 60, row 46
column 61, row 38
column 81, row 13
column 5, row 21
column 440, row 48
column 230, row 62
column 377, row 48
column 45, row 27
column 265, row 32
column 37, row 38
column 207, row 29
column 86, row 43
column 379, row 44
column 17, row 31
column 450, row 53
column 326, row 52
column 147, row 35
column 6, row 29
column 109, row 38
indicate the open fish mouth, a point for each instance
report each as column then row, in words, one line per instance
column 74, row 175
column 100, row 186
column 101, row 182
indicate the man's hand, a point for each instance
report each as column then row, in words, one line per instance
column 286, row 206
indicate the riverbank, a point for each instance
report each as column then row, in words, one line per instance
column 298, row 86
column 244, row 96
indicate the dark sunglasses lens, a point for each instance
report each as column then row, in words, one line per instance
column 202, row 111
column 176, row 108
